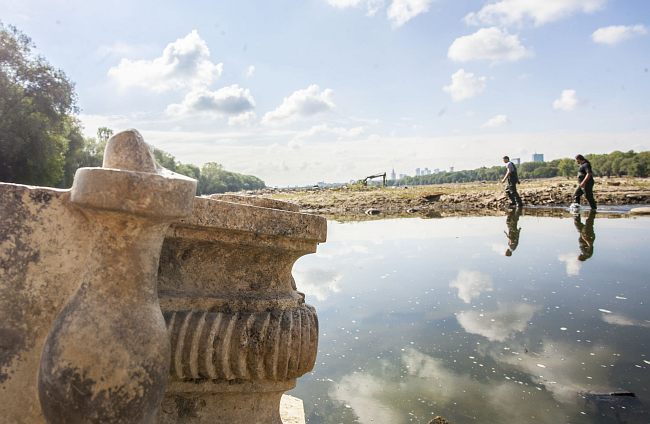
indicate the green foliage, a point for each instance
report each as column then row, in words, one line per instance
column 37, row 101
column 613, row 164
column 214, row 179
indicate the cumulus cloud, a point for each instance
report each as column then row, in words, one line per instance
column 372, row 6
column 540, row 12
column 401, row 11
column 318, row 282
column 471, row 284
column 498, row 325
column 496, row 121
column 567, row 101
column 491, row 44
column 615, row 34
column 233, row 101
column 302, row 103
column 464, row 85
column 185, row 63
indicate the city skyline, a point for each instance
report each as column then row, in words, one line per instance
column 334, row 90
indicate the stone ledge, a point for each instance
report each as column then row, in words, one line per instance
column 292, row 410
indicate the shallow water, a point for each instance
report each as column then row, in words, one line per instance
column 420, row 318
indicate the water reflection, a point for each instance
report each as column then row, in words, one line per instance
column 512, row 222
column 471, row 284
column 587, row 235
column 419, row 318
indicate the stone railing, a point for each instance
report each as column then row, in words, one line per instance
column 128, row 300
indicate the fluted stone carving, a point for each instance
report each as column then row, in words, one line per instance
column 240, row 331
column 80, row 311
column 106, row 358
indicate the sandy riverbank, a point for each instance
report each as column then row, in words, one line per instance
column 451, row 199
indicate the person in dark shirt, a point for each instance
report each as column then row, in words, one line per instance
column 513, row 179
column 587, row 235
column 585, row 182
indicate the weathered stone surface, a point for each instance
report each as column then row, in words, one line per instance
column 240, row 332
column 292, row 410
column 44, row 245
column 81, row 265
column 106, row 358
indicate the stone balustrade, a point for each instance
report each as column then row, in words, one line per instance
column 85, row 274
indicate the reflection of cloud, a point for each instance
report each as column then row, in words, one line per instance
column 500, row 324
column 616, row 319
column 318, row 282
column 564, row 368
column 471, row 284
column 572, row 264
column 372, row 397
column 363, row 392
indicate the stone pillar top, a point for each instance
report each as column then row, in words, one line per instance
column 131, row 182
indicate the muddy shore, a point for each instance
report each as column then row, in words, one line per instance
column 485, row 198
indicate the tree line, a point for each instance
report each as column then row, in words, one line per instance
column 617, row 163
column 41, row 142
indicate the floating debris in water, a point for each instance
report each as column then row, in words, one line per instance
column 605, row 311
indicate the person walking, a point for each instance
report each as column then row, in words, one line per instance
column 513, row 179
column 585, row 182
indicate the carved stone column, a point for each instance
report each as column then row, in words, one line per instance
column 106, row 357
column 240, row 332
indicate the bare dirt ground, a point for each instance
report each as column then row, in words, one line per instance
column 453, row 199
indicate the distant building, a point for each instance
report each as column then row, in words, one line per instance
column 538, row 157
column 392, row 174
column 426, row 171
column 417, row 172
column 451, row 169
column 517, row 161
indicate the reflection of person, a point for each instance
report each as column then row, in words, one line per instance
column 585, row 182
column 513, row 179
column 587, row 235
column 512, row 220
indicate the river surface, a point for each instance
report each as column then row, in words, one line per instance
column 512, row 319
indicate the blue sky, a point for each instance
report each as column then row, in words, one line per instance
column 303, row 91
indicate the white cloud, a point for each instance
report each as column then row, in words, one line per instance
column 567, row 101
column 301, row 103
column 617, row 33
column 498, row 325
column 185, row 63
column 540, row 12
column 491, row 44
column 496, row 121
column 372, row 6
column 464, row 85
column 401, row 11
column 250, row 71
column 232, row 101
column 325, row 129
column 471, row 284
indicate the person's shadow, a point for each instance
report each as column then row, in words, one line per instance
column 512, row 222
column 587, row 235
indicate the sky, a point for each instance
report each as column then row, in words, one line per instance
column 301, row 91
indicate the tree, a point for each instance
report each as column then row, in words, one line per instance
column 37, row 102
